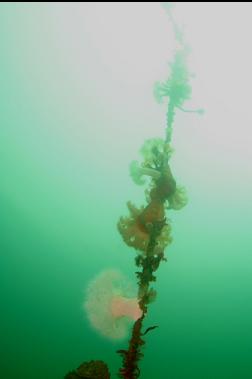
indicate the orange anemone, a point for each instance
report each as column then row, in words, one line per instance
column 136, row 228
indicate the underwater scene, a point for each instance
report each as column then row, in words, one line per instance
column 125, row 196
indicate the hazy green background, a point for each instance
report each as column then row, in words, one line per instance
column 75, row 106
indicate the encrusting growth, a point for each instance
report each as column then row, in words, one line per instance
column 146, row 229
column 90, row 370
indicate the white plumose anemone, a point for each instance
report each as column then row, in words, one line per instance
column 110, row 306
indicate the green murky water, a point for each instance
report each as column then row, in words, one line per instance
column 76, row 104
